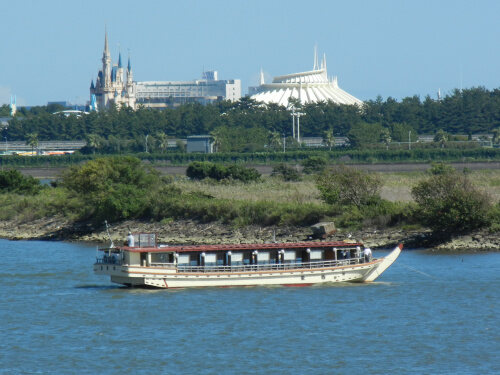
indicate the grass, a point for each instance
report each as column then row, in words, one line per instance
column 269, row 202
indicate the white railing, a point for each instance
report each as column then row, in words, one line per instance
column 262, row 267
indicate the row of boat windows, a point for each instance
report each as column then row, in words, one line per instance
column 254, row 257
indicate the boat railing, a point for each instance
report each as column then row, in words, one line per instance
column 109, row 260
column 265, row 267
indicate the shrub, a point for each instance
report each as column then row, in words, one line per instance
column 349, row 186
column 15, row 182
column 113, row 188
column 448, row 202
column 286, row 172
column 314, row 164
column 199, row 170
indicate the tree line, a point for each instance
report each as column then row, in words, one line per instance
column 249, row 126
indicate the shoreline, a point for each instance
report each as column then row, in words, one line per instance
column 193, row 233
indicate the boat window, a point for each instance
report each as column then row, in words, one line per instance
column 210, row 259
column 263, row 257
column 316, row 255
column 183, row 259
column 290, row 256
column 236, row 259
column 161, row 257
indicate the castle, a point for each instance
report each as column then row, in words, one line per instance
column 111, row 88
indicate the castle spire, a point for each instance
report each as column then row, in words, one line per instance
column 262, row 77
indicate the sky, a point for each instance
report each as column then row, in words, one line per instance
column 52, row 49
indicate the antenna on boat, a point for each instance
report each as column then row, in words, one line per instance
column 107, row 230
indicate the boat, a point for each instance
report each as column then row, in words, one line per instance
column 147, row 264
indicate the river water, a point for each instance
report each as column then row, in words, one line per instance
column 58, row 317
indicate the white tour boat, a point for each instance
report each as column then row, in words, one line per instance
column 287, row 264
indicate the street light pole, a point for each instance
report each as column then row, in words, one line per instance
column 298, row 114
column 293, row 123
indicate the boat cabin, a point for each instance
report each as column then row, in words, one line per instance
column 147, row 253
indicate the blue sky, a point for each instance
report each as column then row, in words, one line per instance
column 51, row 49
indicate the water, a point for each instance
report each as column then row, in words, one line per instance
column 57, row 317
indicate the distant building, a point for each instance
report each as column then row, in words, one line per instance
column 308, row 87
column 199, row 143
column 114, row 85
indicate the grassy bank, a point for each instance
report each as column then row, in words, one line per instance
column 271, row 201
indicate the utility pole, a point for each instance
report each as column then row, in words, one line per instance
column 293, row 123
column 147, row 135
column 298, row 114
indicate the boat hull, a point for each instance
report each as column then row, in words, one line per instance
column 167, row 278
column 171, row 277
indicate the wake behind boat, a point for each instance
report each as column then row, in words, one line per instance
column 144, row 263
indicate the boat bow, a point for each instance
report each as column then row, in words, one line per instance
column 385, row 264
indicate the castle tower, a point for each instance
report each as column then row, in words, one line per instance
column 110, row 86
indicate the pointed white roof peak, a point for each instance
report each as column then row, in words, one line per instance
column 316, row 62
column 262, row 81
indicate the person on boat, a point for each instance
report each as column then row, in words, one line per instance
column 368, row 254
column 130, row 239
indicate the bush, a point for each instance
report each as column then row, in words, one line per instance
column 449, row 203
column 348, row 186
column 314, row 164
column 286, row 172
column 113, row 188
column 15, row 182
column 199, row 170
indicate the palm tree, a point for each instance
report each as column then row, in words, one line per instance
column 216, row 139
column 275, row 140
column 162, row 140
column 385, row 137
column 93, row 141
column 329, row 139
column 496, row 135
column 32, row 140
column 440, row 137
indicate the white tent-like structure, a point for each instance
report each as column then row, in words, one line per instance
column 308, row 87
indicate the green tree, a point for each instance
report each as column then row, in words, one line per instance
column 275, row 141
column 348, row 186
column 496, row 135
column 363, row 134
column 32, row 140
column 329, row 139
column 448, row 202
column 113, row 188
column 314, row 164
column 286, row 171
column 441, row 138
column 94, row 141
column 162, row 139
column 15, row 182
column 385, row 137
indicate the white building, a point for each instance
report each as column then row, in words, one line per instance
column 308, row 87
column 158, row 94
column 115, row 86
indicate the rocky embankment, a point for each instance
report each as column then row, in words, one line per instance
column 190, row 232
